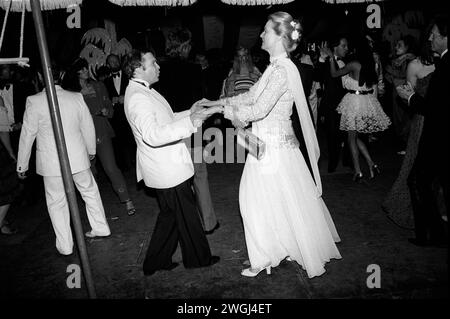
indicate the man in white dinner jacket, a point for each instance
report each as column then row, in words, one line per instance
column 79, row 134
column 164, row 163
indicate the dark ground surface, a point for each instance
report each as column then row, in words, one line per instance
column 31, row 268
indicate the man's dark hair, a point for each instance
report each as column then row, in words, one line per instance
column 133, row 60
column 441, row 21
column 56, row 72
column 112, row 55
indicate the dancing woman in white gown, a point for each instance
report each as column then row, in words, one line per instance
column 280, row 202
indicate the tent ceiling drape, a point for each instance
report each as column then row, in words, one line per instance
column 17, row 5
column 255, row 2
column 167, row 3
column 350, row 1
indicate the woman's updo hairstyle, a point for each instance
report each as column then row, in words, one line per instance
column 288, row 28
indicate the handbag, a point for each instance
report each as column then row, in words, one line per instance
column 252, row 143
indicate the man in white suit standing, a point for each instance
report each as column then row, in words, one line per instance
column 164, row 163
column 79, row 134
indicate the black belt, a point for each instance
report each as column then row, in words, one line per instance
column 360, row 92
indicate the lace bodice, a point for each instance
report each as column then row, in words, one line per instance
column 350, row 83
column 270, row 112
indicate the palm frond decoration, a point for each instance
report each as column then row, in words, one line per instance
column 99, row 37
column 94, row 56
column 101, row 42
column 123, row 47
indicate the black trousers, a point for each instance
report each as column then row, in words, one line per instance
column 178, row 221
column 422, row 179
column 124, row 143
column 335, row 138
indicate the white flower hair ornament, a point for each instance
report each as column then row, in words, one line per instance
column 295, row 34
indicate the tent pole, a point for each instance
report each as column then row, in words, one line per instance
column 61, row 145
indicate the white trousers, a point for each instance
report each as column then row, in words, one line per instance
column 58, row 208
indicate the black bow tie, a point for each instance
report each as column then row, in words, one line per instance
column 117, row 74
column 143, row 84
column 5, row 86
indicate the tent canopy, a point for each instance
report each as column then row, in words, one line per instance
column 17, row 5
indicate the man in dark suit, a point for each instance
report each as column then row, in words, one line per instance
column 332, row 95
column 432, row 163
column 181, row 84
column 124, row 144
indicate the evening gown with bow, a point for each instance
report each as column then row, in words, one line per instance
column 397, row 203
column 281, row 211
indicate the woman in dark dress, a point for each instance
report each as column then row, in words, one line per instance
column 96, row 97
column 9, row 182
column 397, row 203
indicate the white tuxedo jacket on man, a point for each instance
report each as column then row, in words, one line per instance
column 78, row 127
column 162, row 159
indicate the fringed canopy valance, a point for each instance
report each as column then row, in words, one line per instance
column 255, row 2
column 167, row 3
column 350, row 1
column 17, row 5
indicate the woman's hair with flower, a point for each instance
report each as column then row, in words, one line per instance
column 288, row 28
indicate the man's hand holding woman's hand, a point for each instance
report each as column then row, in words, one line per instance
column 208, row 103
column 199, row 113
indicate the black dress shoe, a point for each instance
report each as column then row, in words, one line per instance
column 419, row 242
column 441, row 243
column 171, row 266
column 149, row 272
column 214, row 260
column 209, row 232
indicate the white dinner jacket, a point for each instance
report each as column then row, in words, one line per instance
column 78, row 127
column 162, row 159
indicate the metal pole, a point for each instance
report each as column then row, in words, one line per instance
column 61, row 145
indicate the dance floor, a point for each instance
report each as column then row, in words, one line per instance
column 31, row 268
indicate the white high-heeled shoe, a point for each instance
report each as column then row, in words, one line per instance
column 248, row 272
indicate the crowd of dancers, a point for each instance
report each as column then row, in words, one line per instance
column 144, row 109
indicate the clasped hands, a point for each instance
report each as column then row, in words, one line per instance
column 203, row 109
column 405, row 91
column 218, row 105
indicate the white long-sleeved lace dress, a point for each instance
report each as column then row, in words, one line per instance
column 280, row 207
